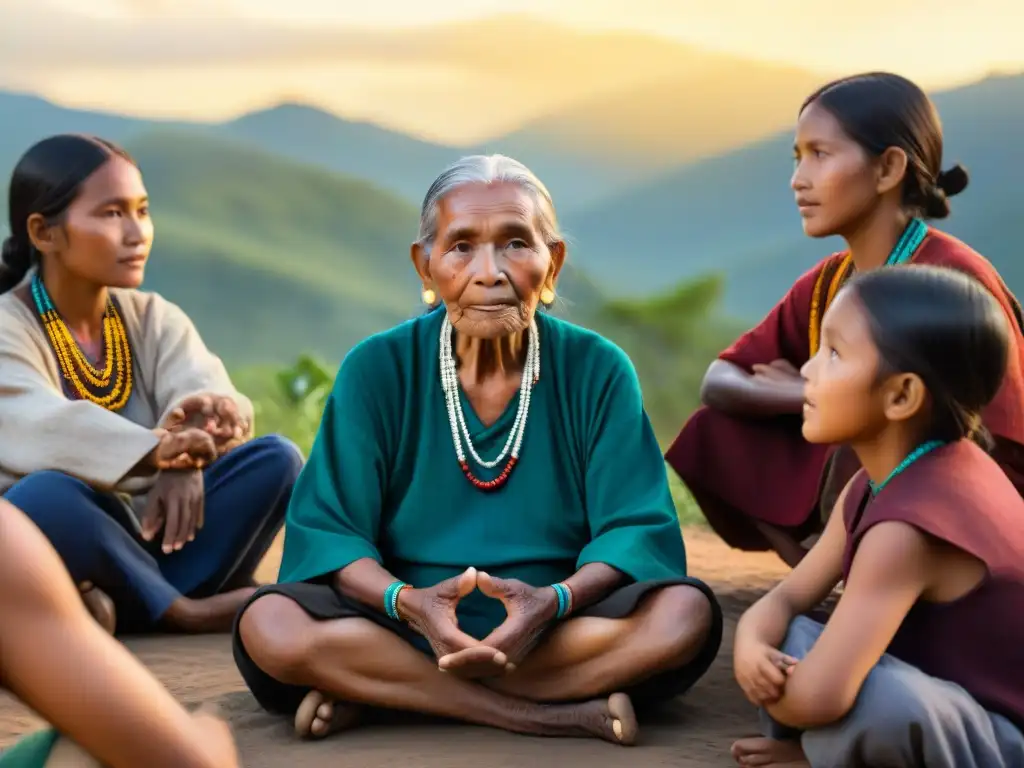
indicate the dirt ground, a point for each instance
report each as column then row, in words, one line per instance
column 695, row 731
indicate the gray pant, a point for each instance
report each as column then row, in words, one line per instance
column 903, row 718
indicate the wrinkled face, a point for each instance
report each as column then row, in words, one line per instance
column 489, row 262
column 835, row 181
column 106, row 233
column 843, row 402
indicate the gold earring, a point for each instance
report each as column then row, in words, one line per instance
column 429, row 297
column 547, row 297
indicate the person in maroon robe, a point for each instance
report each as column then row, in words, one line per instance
column 919, row 665
column 868, row 154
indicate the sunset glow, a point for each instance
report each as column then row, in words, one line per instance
column 212, row 59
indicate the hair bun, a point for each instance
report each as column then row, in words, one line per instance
column 13, row 253
column 953, row 181
column 15, row 262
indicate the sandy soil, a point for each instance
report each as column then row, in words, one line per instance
column 695, row 731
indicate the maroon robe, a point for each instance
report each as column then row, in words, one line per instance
column 958, row 494
column 740, row 469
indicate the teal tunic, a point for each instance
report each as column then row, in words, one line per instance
column 382, row 480
column 31, row 751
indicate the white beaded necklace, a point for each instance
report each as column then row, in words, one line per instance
column 457, row 420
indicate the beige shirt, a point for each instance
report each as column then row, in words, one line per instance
column 40, row 428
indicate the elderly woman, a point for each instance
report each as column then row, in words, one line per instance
column 124, row 439
column 484, row 529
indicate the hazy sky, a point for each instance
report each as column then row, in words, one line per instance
column 214, row 58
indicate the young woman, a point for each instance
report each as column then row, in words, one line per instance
column 920, row 663
column 111, row 406
column 60, row 662
column 868, row 154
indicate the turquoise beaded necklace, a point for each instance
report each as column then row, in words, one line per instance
column 914, row 455
column 911, row 239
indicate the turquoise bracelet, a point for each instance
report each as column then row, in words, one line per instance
column 391, row 599
column 564, row 599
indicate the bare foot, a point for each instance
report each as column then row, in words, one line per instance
column 769, row 753
column 318, row 717
column 611, row 719
column 210, row 614
column 99, row 605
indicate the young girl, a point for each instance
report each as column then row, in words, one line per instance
column 868, row 156
column 57, row 660
column 921, row 662
column 95, row 377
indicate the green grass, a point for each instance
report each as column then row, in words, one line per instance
column 686, row 508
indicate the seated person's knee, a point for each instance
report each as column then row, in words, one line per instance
column 281, row 454
column 887, row 716
column 49, row 483
column 688, row 608
column 271, row 630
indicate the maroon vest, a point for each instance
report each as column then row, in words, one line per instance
column 960, row 495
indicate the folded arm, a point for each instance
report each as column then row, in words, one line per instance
column 729, row 388
column 890, row 571
column 729, row 384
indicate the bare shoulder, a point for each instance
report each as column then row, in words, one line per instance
column 891, row 551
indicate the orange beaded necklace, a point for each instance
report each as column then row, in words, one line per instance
column 109, row 387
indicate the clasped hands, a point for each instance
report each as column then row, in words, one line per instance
column 431, row 612
column 779, row 373
column 201, row 428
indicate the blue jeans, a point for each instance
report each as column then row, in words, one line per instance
column 247, row 493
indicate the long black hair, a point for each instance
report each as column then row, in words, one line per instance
column 945, row 327
column 879, row 110
column 46, row 181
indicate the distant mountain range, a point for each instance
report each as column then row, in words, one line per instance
column 579, row 173
column 272, row 258
column 596, row 112
column 402, row 164
column 714, row 107
column 288, row 229
column 269, row 257
column 734, row 214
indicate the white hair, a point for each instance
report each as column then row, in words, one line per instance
column 486, row 169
